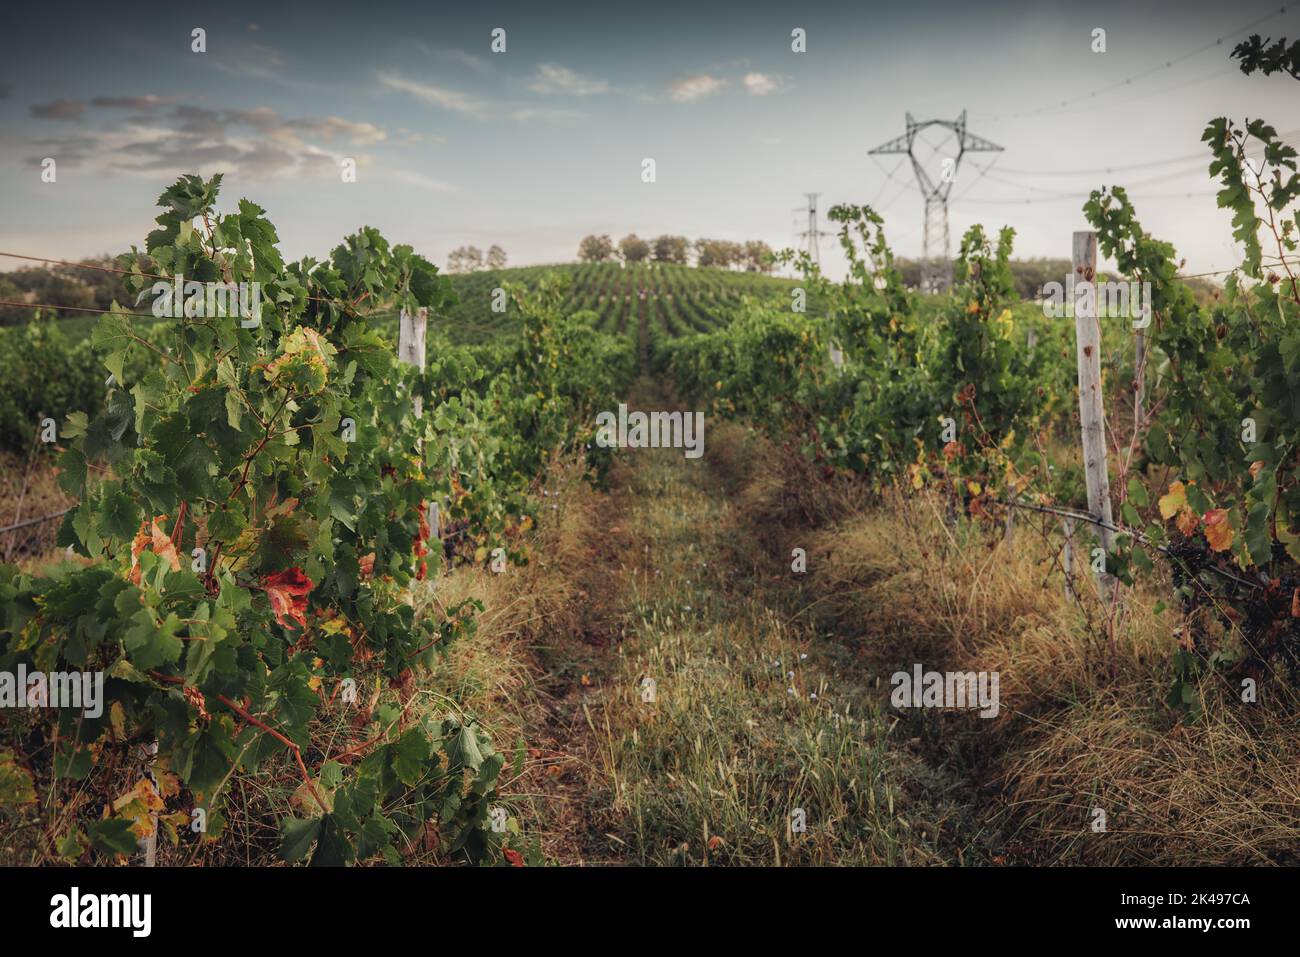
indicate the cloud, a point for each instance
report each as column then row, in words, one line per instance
column 438, row 96
column 145, row 104
column 58, row 110
column 362, row 134
column 552, row 78
column 695, row 87
column 761, row 84
column 407, row 137
column 421, row 181
column 459, row 57
column 535, row 113
column 246, row 59
column 256, row 143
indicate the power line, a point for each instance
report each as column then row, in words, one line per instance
column 1108, row 170
column 1128, row 81
column 1014, row 201
column 1116, row 105
column 984, row 172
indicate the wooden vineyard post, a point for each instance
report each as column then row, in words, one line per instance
column 410, row 344
column 1087, row 330
column 1139, row 377
column 149, row 845
column 410, row 350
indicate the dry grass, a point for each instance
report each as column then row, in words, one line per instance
column 1083, row 724
column 750, row 717
column 543, row 629
column 29, row 489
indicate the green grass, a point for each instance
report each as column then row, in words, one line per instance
column 680, row 299
column 754, row 725
column 615, row 293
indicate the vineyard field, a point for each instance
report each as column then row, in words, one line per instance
column 965, row 545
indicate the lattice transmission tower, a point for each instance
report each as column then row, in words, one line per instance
column 936, row 262
column 812, row 234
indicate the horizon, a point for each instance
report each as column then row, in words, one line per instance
column 534, row 147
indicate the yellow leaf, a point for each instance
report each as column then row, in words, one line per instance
column 144, row 793
column 1187, row 521
column 137, row 804
column 973, row 487
column 1172, row 503
column 117, row 718
column 169, row 785
column 334, row 625
column 1217, row 530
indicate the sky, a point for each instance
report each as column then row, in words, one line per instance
column 534, row 147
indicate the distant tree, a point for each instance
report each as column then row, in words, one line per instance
column 465, row 259
column 758, row 256
column 496, row 257
column 596, row 249
column 61, row 286
column 633, row 249
column 672, row 249
column 12, row 315
column 716, row 253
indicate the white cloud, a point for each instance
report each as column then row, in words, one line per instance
column 362, row 134
column 553, row 78
column 761, row 84
column 694, row 87
column 438, row 96
column 420, row 181
column 533, row 113
column 458, row 57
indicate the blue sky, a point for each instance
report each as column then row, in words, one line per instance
column 537, row 146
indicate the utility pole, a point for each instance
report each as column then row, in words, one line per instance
column 936, row 267
column 811, row 234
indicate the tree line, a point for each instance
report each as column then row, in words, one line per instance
column 472, row 259
column 69, row 286
column 751, row 256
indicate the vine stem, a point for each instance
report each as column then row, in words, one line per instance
column 258, row 723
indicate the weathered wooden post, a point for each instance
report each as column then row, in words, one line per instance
column 410, row 343
column 1092, row 420
column 1139, row 377
column 411, row 331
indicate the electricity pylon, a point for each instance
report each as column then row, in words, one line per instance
column 936, row 266
column 811, row 234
